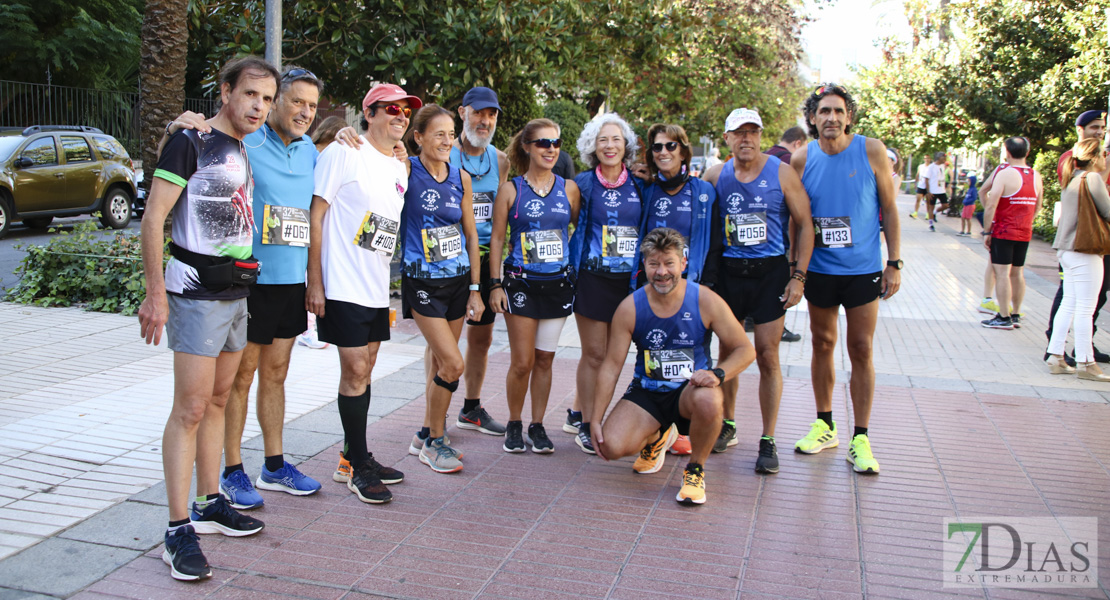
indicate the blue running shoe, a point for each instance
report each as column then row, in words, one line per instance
column 287, row 479
column 239, row 492
column 183, row 555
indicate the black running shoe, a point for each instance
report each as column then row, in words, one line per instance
column 183, row 555
column 537, row 435
column 219, row 517
column 479, row 420
column 768, row 460
column 726, row 438
column 388, row 475
column 584, row 442
column 367, row 486
column 573, row 422
column 790, row 336
column 1015, row 318
column 998, row 322
column 514, row 437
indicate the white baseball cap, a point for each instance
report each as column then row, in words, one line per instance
column 741, row 116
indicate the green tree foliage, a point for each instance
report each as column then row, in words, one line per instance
column 571, row 118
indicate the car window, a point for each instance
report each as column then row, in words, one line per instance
column 108, row 148
column 8, row 144
column 41, row 151
column 76, row 149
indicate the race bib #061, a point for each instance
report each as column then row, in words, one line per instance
column 285, row 226
column 746, row 229
column 377, row 234
column 669, row 365
column 618, row 241
column 542, row 246
column 832, row 232
column 441, row 243
column 483, row 206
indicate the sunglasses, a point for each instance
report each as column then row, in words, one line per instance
column 658, row 146
column 394, row 109
column 827, row 87
column 295, row 74
column 546, row 142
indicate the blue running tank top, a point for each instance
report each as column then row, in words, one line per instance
column 844, row 198
column 538, row 229
column 753, row 214
column 431, row 225
column 670, row 349
column 676, row 212
column 484, row 176
column 613, row 228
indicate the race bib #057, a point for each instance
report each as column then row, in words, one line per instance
column 542, row 246
column 618, row 241
column 832, row 232
column 669, row 365
column 441, row 243
column 285, row 226
column 746, row 229
column 377, row 234
column 483, row 206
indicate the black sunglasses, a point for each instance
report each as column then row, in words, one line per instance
column 546, row 142
column 658, row 146
column 295, row 74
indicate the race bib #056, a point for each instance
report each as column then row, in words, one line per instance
column 377, row 234
column 441, row 243
column 669, row 365
column 746, row 229
column 618, row 241
column 542, row 246
column 832, row 232
column 285, row 226
column 483, row 206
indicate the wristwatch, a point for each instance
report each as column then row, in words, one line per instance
column 719, row 372
column 897, row 264
column 474, row 287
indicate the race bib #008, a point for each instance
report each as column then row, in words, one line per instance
column 285, row 226
column 669, row 365
column 832, row 232
column 746, row 229
column 483, row 206
column 441, row 243
column 377, row 234
column 542, row 246
column 618, row 241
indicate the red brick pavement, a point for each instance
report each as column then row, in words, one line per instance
column 572, row 526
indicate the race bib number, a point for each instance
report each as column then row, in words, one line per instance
column 441, row 243
column 832, row 232
column 746, row 229
column 542, row 246
column 669, row 365
column 377, row 234
column 285, row 226
column 483, row 206
column 618, row 241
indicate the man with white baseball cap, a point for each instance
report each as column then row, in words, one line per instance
column 759, row 199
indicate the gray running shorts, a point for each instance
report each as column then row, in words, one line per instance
column 206, row 327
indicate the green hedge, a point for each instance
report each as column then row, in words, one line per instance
column 1045, row 164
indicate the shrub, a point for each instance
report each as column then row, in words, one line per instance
column 571, row 118
column 1046, row 165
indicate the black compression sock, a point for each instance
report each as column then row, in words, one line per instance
column 352, row 413
column 424, row 432
column 275, row 463
column 469, row 405
column 859, row 431
column 826, row 417
column 228, row 470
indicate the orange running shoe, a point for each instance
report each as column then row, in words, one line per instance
column 343, row 471
column 681, row 446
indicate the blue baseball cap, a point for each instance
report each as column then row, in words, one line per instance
column 1085, row 119
column 481, row 97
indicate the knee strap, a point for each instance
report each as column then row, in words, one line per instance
column 449, row 386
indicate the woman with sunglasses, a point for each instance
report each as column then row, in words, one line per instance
column 438, row 287
column 538, row 289
column 602, row 251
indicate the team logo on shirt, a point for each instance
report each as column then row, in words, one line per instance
column 559, row 194
column 663, row 207
column 762, row 183
column 400, row 189
column 559, row 208
column 685, row 317
column 612, row 198
column 452, row 202
column 734, row 200
column 683, row 334
column 423, row 297
column 534, row 207
column 703, row 198
column 430, row 200
column 232, row 164
column 518, row 299
column 685, row 206
column 655, row 338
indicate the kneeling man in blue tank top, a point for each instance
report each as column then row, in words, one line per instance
column 673, row 391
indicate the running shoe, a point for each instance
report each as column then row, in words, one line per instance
column 913, row 215
column 310, row 339
column 790, row 336
column 859, row 454
column 287, row 479
column 389, row 475
column 417, row 444
column 514, row 437
column 768, row 460
column 653, row 455
column 726, row 438
column 366, row 484
column 998, row 322
column 1057, row 365
column 440, row 457
column 573, row 422
column 183, row 555
column 1015, row 318
column 342, row 471
column 693, row 486
column 820, row 436
column 239, row 491
column 537, row 436
column 931, row 227
column 584, row 442
column 219, row 517
column 681, row 446
column 988, row 306
column 479, row 420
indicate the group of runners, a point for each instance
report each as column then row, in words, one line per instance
column 266, row 228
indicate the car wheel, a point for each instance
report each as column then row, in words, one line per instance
column 38, row 222
column 115, row 212
column 5, row 214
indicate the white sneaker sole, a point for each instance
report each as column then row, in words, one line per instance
column 277, row 487
column 424, row 459
column 689, row 501
column 833, row 443
column 357, row 493
column 568, row 428
column 240, row 506
column 472, row 427
column 210, row 527
column 178, row 575
column 857, row 469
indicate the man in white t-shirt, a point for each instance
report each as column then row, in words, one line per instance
column 934, row 188
column 921, row 189
column 356, row 211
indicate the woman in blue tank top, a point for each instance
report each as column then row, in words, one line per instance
column 437, row 284
column 536, row 208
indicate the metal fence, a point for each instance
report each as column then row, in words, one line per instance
column 115, row 113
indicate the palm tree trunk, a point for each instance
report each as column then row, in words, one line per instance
column 165, row 37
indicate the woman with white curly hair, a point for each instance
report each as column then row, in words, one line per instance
column 602, row 250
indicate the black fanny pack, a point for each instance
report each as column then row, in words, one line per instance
column 219, row 272
column 540, row 283
column 752, row 267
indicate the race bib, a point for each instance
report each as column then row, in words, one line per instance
column 832, row 232
column 669, row 365
column 542, row 246
column 618, row 241
column 483, row 206
column 285, row 226
column 746, row 229
column 377, row 234
column 441, row 243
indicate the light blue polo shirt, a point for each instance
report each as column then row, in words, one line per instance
column 283, row 177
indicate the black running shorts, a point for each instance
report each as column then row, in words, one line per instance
column 437, row 298
column 597, row 295
column 276, row 312
column 754, row 296
column 1008, row 252
column 849, row 291
column 662, row 406
column 350, row 325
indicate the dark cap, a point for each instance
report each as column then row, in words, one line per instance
column 481, row 97
column 1085, row 119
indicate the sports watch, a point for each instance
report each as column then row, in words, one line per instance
column 897, row 264
column 719, row 372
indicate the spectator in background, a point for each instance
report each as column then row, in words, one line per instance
column 922, row 191
column 792, row 139
column 326, row 131
column 969, row 206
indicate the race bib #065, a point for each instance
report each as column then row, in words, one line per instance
column 746, row 229
column 377, row 234
column 669, row 365
column 285, row 226
column 618, row 241
column 483, row 206
column 832, row 232
column 441, row 243
column 542, row 246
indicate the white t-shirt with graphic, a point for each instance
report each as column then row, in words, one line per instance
column 935, row 173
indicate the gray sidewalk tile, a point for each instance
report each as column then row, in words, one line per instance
column 60, row 567
column 940, row 383
column 1004, row 389
column 130, row 525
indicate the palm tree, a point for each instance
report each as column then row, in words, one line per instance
column 165, row 38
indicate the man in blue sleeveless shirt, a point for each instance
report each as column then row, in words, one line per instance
column 673, row 390
column 759, row 199
column 847, row 177
column 488, row 168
